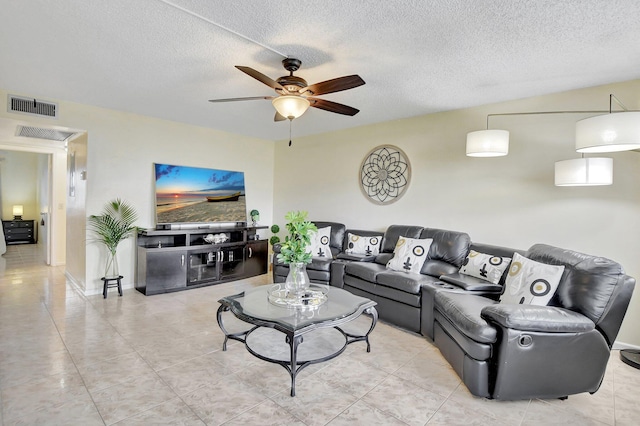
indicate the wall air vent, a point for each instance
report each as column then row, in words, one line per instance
column 32, row 107
column 42, row 133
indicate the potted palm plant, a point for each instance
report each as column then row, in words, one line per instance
column 293, row 251
column 115, row 224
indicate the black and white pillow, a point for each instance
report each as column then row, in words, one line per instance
column 319, row 246
column 485, row 266
column 530, row 282
column 358, row 244
column 410, row 254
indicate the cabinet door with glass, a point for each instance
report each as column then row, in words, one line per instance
column 231, row 262
column 203, row 266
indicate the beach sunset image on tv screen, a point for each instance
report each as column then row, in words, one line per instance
column 199, row 195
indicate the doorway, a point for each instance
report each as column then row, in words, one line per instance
column 25, row 185
column 52, row 185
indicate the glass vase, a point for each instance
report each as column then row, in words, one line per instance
column 297, row 281
column 111, row 269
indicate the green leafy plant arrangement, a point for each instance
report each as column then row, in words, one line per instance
column 255, row 216
column 293, row 249
column 114, row 225
column 274, row 238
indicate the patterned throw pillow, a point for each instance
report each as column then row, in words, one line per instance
column 484, row 266
column 319, row 246
column 530, row 282
column 409, row 254
column 363, row 245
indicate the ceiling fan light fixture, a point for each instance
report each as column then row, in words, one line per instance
column 290, row 106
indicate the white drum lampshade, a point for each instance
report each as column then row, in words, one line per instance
column 290, row 106
column 584, row 172
column 17, row 212
column 488, row 143
column 618, row 131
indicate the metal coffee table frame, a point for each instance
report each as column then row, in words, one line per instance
column 294, row 332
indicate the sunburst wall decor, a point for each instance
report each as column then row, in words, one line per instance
column 385, row 174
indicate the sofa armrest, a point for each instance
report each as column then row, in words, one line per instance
column 337, row 273
column 356, row 257
column 470, row 283
column 546, row 319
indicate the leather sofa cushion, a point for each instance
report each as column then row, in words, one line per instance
column 409, row 283
column 495, row 250
column 281, row 269
column 383, row 258
column 537, row 318
column 365, row 270
column 471, row 349
column 314, row 274
column 319, row 264
column 463, row 311
column 470, row 283
column 392, row 234
column 447, row 252
column 435, row 267
column 385, row 292
column 319, row 276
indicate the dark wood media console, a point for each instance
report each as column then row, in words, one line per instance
column 174, row 260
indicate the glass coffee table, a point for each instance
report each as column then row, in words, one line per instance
column 317, row 326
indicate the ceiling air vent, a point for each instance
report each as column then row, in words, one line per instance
column 42, row 133
column 32, row 107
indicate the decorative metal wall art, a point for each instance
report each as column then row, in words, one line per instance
column 385, row 174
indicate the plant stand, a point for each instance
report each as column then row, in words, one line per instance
column 112, row 283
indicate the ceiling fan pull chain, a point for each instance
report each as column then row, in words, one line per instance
column 290, row 120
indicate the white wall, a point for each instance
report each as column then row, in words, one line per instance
column 76, row 230
column 19, row 180
column 121, row 150
column 510, row 201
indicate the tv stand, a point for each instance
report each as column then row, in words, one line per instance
column 175, row 260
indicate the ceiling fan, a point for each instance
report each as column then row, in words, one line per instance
column 295, row 95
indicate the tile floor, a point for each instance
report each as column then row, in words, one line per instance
column 67, row 359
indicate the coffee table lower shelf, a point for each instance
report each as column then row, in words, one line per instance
column 322, row 342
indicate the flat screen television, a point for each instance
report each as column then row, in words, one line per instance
column 195, row 195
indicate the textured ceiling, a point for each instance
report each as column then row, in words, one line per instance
column 167, row 58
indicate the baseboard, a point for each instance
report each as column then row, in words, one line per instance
column 621, row 345
column 74, row 282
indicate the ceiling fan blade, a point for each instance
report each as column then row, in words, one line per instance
column 332, row 106
column 334, row 85
column 261, row 77
column 279, row 117
column 250, row 98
